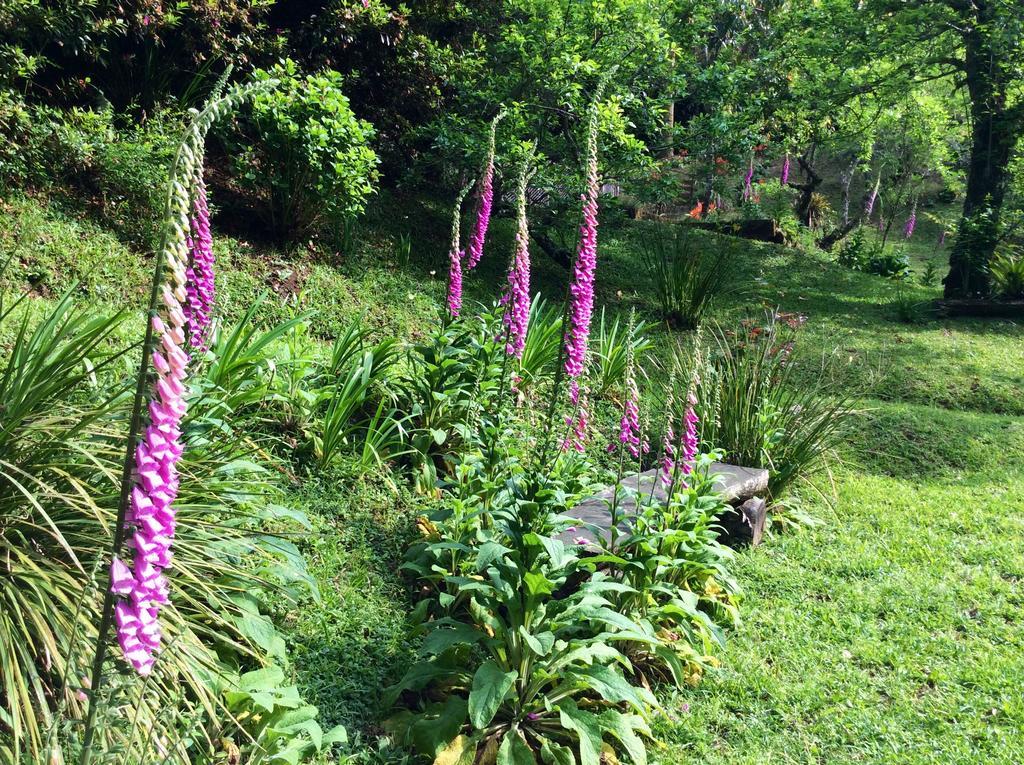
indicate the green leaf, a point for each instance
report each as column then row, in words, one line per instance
column 488, row 553
column 613, row 687
column 515, row 751
column 435, row 729
column 586, row 726
column 556, row 754
column 490, row 686
column 623, row 727
column 443, row 638
column 537, row 584
column 541, row 643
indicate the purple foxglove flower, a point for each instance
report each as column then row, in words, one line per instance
column 579, row 427
column 784, row 176
column 455, row 282
column 455, row 256
column 151, row 516
column 483, row 218
column 748, row 188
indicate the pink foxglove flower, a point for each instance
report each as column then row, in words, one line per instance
column 908, row 227
column 629, row 423
column 200, row 272
column 581, row 289
column 517, row 295
column 748, row 188
column 579, row 426
column 784, row 176
column 483, row 218
column 151, row 516
column 455, row 281
column 690, row 441
column 455, row 256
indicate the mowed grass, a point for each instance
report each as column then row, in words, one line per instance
column 893, row 631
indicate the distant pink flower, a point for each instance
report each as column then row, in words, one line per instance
column 942, row 237
column 668, row 461
column 748, row 188
column 690, row 441
column 908, row 227
column 455, row 256
column 784, row 176
column 579, row 426
column 629, row 423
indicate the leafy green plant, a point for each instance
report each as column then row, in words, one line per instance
column 64, row 407
column 450, row 381
column 611, row 350
column 269, row 723
column 305, row 152
column 550, row 681
column 906, row 308
column 1007, row 271
column 543, row 340
column 686, row 279
column 757, row 406
column 873, row 258
column 677, row 571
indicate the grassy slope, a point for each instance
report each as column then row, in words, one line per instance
column 890, row 633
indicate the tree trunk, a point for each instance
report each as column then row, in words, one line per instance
column 994, row 133
column 803, row 207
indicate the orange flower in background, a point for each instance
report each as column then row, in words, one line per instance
column 697, row 210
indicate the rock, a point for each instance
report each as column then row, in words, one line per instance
column 736, row 484
column 743, row 526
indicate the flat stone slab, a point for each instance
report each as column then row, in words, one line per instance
column 735, row 484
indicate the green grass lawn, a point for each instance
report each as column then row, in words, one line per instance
column 891, row 632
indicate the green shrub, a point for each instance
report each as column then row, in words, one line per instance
column 686, row 279
column 756, row 407
column 1007, row 270
column 304, row 153
column 873, row 257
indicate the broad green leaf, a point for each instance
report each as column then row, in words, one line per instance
column 586, row 726
column 540, row 643
column 623, row 727
column 515, row 751
column 490, row 686
column 461, row 751
column 556, row 754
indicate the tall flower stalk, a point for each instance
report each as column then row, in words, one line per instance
column 629, row 436
column 455, row 256
column 517, row 292
column 911, row 224
column 784, row 175
column 483, row 216
column 149, row 480
column 748, row 188
column 200, row 271
column 581, row 288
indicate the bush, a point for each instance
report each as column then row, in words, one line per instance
column 753, row 405
column 1007, row 269
column 873, row 257
column 304, row 152
column 686, row 280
